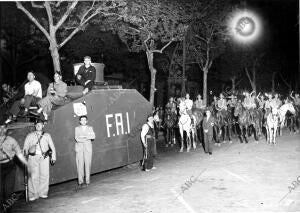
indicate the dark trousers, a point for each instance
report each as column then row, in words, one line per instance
column 7, row 184
column 29, row 101
column 208, row 137
column 148, row 162
column 88, row 85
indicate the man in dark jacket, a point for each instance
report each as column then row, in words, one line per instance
column 208, row 123
column 86, row 75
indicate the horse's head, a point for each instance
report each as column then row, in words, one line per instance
column 291, row 108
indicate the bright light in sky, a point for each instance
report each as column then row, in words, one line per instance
column 245, row 26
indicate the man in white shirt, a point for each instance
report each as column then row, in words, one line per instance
column 33, row 93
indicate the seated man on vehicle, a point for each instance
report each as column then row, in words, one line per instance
column 33, row 93
column 56, row 95
column 86, row 75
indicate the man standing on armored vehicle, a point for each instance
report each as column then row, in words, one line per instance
column 86, row 75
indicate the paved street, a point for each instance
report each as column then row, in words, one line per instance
column 236, row 178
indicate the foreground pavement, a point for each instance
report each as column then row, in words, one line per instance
column 238, row 177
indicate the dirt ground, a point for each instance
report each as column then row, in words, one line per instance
column 251, row 177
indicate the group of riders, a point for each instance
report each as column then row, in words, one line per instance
column 246, row 110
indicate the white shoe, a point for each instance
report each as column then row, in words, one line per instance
column 44, row 196
column 32, row 199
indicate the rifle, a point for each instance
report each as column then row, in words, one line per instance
column 26, row 184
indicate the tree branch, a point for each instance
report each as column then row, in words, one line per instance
column 33, row 4
column 66, row 15
column 164, row 47
column 20, row 7
column 49, row 14
column 145, row 42
column 82, row 23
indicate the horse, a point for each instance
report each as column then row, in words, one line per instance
column 282, row 112
column 272, row 125
column 199, row 114
column 243, row 119
column 170, row 119
column 223, row 122
column 185, row 125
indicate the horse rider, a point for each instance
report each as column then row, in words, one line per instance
column 189, row 105
column 261, row 101
column 276, row 102
column 171, row 105
column 232, row 102
column 249, row 103
column 222, row 104
column 198, row 104
column 267, row 106
column 295, row 99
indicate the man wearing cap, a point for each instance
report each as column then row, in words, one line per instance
column 147, row 137
column 207, row 125
column 36, row 147
column 56, row 94
column 33, row 93
column 86, row 75
column 9, row 148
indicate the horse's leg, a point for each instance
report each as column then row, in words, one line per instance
column 241, row 133
column 182, row 138
column 194, row 138
column 274, row 136
column 229, row 127
column 245, row 135
column 167, row 136
column 188, row 141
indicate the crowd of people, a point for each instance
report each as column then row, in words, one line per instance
column 249, row 100
column 39, row 151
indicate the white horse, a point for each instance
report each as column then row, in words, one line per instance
column 185, row 125
column 272, row 125
column 282, row 114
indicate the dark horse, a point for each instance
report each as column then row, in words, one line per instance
column 243, row 121
column 170, row 121
column 223, row 125
column 199, row 114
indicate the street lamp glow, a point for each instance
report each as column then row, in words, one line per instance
column 245, row 26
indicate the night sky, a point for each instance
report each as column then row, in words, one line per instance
column 280, row 36
column 280, row 20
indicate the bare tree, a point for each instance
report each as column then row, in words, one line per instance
column 208, row 36
column 66, row 18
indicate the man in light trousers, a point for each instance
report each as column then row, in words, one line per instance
column 84, row 135
column 38, row 181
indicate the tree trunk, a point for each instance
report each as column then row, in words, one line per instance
column 205, row 72
column 150, row 56
column 273, row 82
column 233, row 84
column 55, row 56
column 183, row 90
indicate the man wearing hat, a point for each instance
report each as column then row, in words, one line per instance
column 56, row 95
column 86, row 75
column 33, row 93
column 207, row 125
column 9, row 148
column 147, row 137
column 36, row 146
